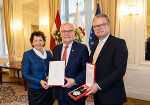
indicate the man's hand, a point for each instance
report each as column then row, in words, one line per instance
column 70, row 83
column 44, row 84
column 93, row 89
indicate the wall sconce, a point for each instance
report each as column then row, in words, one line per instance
column 17, row 25
column 130, row 11
column 44, row 24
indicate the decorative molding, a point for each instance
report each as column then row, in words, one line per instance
column 133, row 93
column 144, row 66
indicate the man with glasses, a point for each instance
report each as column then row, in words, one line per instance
column 110, row 57
column 75, row 55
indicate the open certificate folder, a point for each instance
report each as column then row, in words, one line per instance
column 56, row 73
column 90, row 79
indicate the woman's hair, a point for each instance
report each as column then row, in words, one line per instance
column 37, row 33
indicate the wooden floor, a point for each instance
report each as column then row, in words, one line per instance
column 130, row 101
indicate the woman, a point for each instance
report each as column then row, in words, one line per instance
column 35, row 67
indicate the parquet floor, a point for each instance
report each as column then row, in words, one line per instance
column 130, row 101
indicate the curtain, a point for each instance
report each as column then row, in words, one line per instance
column 7, row 12
column 44, row 21
column 53, row 10
column 3, row 45
column 17, row 21
column 47, row 14
column 13, row 30
column 108, row 7
column 117, row 25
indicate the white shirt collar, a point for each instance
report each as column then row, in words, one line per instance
column 39, row 53
column 68, row 45
column 104, row 40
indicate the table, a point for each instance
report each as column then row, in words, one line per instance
column 16, row 66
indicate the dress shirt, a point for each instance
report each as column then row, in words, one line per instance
column 103, row 41
column 101, row 46
column 40, row 54
column 68, row 51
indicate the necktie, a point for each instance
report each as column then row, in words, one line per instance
column 97, row 51
column 65, row 54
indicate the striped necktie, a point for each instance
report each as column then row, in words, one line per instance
column 65, row 54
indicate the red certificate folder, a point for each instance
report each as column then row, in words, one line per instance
column 90, row 79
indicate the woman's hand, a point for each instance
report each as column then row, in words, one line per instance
column 44, row 84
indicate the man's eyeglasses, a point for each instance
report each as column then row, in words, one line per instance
column 67, row 31
column 100, row 25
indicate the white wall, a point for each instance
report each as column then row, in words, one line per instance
column 137, row 82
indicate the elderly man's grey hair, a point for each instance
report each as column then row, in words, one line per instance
column 66, row 24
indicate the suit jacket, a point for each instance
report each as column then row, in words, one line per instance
column 76, row 66
column 110, row 69
column 34, row 69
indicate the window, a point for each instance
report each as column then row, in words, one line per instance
column 3, row 46
column 68, row 10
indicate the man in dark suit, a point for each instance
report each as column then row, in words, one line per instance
column 76, row 55
column 110, row 57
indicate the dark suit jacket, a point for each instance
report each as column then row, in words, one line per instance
column 75, row 67
column 110, row 69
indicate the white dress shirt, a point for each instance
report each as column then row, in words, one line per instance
column 103, row 41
